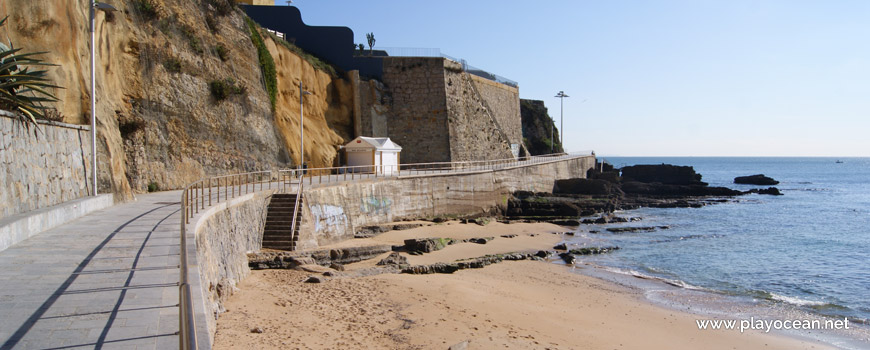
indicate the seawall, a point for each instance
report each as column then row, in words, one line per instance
column 226, row 232
column 334, row 213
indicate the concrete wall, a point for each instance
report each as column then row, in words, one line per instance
column 334, row 213
column 504, row 104
column 42, row 168
column 418, row 120
column 224, row 235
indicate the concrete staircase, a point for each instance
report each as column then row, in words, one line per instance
column 278, row 233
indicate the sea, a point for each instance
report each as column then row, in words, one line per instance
column 805, row 254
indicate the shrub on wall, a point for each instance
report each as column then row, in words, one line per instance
column 267, row 63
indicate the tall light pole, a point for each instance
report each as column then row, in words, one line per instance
column 561, row 95
column 302, row 94
column 93, row 13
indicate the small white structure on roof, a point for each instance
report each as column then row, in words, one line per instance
column 373, row 154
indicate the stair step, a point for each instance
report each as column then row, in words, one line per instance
column 277, row 232
column 277, row 240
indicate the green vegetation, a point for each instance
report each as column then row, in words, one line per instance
column 153, row 187
column 172, row 65
column 22, row 90
column 267, row 63
column 221, row 89
column 191, row 37
column 313, row 60
column 370, row 37
column 222, row 52
column 148, row 9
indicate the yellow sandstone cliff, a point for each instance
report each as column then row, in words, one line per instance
column 157, row 121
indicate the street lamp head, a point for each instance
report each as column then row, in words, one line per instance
column 104, row 6
column 306, row 93
column 561, row 94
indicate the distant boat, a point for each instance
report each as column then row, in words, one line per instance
column 839, row 161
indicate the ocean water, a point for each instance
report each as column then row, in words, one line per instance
column 808, row 249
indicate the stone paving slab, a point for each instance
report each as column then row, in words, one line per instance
column 106, row 280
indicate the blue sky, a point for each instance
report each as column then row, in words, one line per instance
column 659, row 78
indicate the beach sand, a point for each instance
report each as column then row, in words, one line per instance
column 510, row 305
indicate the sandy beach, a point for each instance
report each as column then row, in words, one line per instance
column 510, row 305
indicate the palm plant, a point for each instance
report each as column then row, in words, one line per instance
column 22, row 90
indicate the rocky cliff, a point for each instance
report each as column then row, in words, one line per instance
column 537, row 125
column 159, row 121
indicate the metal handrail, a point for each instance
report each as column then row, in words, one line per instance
column 195, row 196
column 352, row 173
column 296, row 207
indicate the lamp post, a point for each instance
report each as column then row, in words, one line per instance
column 302, row 94
column 561, row 95
column 93, row 14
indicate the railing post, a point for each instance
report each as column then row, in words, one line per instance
column 202, row 193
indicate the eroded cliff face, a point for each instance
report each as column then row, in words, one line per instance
column 157, row 121
column 328, row 110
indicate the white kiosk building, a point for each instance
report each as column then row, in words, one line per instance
column 379, row 153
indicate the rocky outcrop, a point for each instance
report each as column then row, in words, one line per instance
column 770, row 191
column 670, row 190
column 475, row 263
column 536, row 205
column 662, row 173
column 637, row 229
column 597, row 187
column 537, row 126
column 426, row 245
column 393, row 259
column 324, row 257
column 758, row 179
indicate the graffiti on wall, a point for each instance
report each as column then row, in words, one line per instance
column 374, row 205
column 328, row 217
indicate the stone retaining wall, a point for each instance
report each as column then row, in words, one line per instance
column 334, row 213
column 44, row 167
column 225, row 234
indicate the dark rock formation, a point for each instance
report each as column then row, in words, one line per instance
column 561, row 246
column 427, row 245
column 537, row 126
column 481, row 240
column 475, row 263
column 661, row 189
column 770, row 190
column 593, row 250
column 597, row 187
column 637, row 229
column 394, row 259
column 568, row 258
column 758, row 179
column 606, row 219
column 662, row 173
column 325, row 257
column 547, row 206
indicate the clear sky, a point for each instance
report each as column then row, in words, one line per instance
column 658, row 77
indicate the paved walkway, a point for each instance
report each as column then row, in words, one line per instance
column 107, row 280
